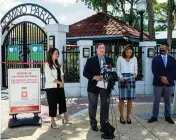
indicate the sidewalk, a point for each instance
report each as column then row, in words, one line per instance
column 80, row 129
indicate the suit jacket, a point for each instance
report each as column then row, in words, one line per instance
column 158, row 70
column 91, row 69
column 51, row 75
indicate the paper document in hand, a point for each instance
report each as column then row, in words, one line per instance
column 102, row 84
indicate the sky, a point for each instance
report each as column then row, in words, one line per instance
column 66, row 11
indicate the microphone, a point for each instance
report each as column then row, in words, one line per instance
column 103, row 68
column 106, row 68
column 107, row 65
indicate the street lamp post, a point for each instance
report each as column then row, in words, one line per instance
column 141, row 25
column 141, row 7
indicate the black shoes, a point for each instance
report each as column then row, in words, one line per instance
column 169, row 120
column 122, row 122
column 128, row 121
column 94, row 128
column 153, row 119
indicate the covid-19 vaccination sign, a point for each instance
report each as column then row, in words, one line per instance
column 13, row 53
column 24, row 90
column 37, row 52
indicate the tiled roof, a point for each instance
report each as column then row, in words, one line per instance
column 102, row 24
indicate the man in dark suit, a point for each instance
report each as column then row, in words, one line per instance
column 92, row 73
column 164, row 71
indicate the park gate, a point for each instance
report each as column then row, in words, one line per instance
column 24, row 34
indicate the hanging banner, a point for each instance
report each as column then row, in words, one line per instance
column 24, row 90
column 37, row 52
column 13, row 53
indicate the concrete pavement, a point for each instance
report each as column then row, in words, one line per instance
column 80, row 129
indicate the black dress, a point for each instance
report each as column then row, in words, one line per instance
column 56, row 96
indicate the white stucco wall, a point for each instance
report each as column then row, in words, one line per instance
column 59, row 31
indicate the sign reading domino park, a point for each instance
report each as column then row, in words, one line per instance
column 27, row 9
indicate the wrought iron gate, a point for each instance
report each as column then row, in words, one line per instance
column 23, row 34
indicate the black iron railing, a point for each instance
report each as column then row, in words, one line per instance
column 23, row 35
column 172, row 51
column 71, row 63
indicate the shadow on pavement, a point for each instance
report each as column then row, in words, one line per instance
column 78, row 129
column 18, row 132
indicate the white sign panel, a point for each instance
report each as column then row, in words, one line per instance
column 24, row 90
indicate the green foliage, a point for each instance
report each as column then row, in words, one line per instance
column 131, row 16
column 160, row 10
column 98, row 5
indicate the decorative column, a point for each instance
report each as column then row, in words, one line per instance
column 59, row 32
column 85, row 52
column 148, row 53
column 174, row 102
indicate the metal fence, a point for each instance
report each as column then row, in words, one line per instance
column 172, row 51
column 23, row 35
column 71, row 63
column 115, row 49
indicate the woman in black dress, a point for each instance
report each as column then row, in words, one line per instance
column 55, row 87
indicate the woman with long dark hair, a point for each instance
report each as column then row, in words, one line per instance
column 127, row 69
column 55, row 87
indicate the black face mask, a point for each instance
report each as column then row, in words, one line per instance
column 162, row 51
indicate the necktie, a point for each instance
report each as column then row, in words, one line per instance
column 164, row 60
column 101, row 62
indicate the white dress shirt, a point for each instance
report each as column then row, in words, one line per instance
column 50, row 76
column 124, row 66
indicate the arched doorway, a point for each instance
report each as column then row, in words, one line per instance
column 24, row 34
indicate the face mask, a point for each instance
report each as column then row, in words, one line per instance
column 162, row 51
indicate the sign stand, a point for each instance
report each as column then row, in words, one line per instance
column 24, row 93
column 17, row 122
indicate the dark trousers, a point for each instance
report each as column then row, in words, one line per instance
column 104, row 107
column 56, row 96
column 167, row 91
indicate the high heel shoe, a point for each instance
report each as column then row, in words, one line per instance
column 65, row 119
column 122, row 122
column 54, row 127
column 129, row 120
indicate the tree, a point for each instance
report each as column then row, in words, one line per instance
column 98, row 5
column 160, row 11
column 118, row 6
column 171, row 10
column 151, row 28
column 130, row 16
column 126, row 11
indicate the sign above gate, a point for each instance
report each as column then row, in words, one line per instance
column 27, row 9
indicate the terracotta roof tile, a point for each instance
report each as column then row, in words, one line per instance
column 101, row 24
